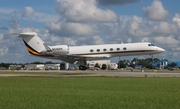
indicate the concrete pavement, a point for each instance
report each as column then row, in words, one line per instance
column 86, row 73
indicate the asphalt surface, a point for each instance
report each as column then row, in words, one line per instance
column 86, row 73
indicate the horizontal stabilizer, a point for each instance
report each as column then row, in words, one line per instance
column 15, row 34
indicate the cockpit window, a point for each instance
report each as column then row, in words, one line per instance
column 150, row 44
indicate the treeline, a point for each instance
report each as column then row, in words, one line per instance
column 6, row 65
column 148, row 63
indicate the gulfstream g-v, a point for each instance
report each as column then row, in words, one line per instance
column 81, row 54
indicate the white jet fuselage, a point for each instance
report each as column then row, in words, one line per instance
column 95, row 52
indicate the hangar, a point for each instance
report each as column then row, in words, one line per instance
column 64, row 66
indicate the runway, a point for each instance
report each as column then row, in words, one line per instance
column 86, row 73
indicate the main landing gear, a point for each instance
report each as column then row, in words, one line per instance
column 82, row 64
column 152, row 58
column 82, row 67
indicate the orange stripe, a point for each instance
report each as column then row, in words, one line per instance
column 32, row 51
column 143, row 51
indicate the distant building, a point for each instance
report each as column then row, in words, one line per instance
column 64, row 66
column 67, row 66
column 111, row 66
column 52, row 66
column 15, row 67
column 164, row 63
column 42, row 67
column 160, row 64
column 34, row 67
column 91, row 64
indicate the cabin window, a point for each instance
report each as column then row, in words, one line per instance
column 98, row 50
column 111, row 49
column 104, row 49
column 117, row 49
column 91, row 50
column 124, row 48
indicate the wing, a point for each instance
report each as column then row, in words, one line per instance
column 72, row 59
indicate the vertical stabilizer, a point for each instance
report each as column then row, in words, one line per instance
column 33, row 43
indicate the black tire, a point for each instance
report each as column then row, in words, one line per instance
column 82, row 67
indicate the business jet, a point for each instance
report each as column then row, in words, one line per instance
column 81, row 54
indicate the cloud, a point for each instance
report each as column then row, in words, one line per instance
column 156, row 11
column 136, row 27
column 21, row 30
column 33, row 15
column 3, row 50
column 145, row 39
column 14, row 17
column 116, row 2
column 81, row 18
column 83, row 22
column 164, row 28
column 97, row 40
column 176, row 19
column 28, row 12
column 1, row 37
column 45, row 17
column 70, row 41
column 6, row 10
column 55, row 39
column 93, row 40
column 70, row 29
column 176, row 49
column 3, row 28
column 170, row 40
column 84, row 11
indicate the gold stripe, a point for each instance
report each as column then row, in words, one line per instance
column 32, row 51
column 97, row 53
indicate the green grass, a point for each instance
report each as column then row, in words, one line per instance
column 75, row 72
column 89, row 93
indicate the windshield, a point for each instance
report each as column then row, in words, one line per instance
column 151, row 45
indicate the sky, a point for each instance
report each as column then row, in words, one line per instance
column 87, row 22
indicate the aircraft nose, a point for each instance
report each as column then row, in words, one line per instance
column 160, row 49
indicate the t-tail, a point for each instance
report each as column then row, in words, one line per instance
column 34, row 44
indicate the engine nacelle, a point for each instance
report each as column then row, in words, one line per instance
column 60, row 49
column 46, row 52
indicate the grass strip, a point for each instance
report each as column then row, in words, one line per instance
column 89, row 92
